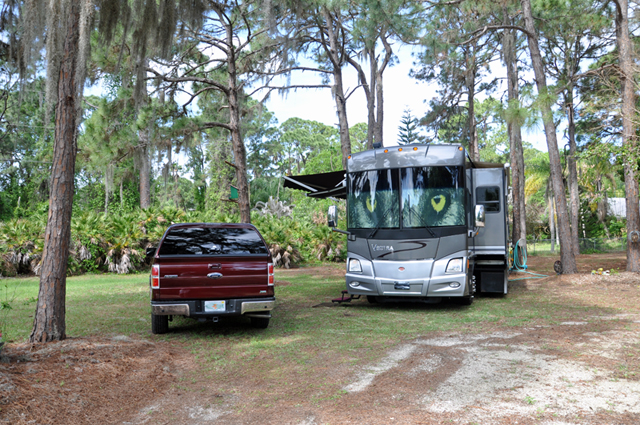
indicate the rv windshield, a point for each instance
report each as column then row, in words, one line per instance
column 432, row 196
column 372, row 195
column 428, row 197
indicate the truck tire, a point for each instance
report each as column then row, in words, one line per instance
column 260, row 322
column 159, row 324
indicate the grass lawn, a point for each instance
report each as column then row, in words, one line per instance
column 312, row 348
column 303, row 323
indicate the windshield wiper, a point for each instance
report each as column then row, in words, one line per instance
column 425, row 225
column 379, row 224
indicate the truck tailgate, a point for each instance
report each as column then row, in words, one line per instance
column 214, row 278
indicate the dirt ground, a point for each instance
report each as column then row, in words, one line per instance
column 582, row 371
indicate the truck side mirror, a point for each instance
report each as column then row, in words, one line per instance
column 479, row 216
column 151, row 250
column 332, row 216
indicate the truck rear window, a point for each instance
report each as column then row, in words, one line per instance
column 212, row 241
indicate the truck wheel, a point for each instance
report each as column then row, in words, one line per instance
column 159, row 324
column 260, row 322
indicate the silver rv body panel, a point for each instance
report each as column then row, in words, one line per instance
column 403, row 266
column 491, row 244
column 492, row 239
column 411, row 222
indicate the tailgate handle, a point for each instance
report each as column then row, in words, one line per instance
column 214, row 266
column 214, row 275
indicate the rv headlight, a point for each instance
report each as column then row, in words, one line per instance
column 354, row 266
column 454, row 266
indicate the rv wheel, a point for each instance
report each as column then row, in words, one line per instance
column 465, row 300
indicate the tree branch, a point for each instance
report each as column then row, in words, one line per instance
column 216, row 85
column 282, row 88
column 480, row 32
column 214, row 124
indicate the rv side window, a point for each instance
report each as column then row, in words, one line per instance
column 489, row 197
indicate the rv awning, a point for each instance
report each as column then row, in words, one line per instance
column 322, row 185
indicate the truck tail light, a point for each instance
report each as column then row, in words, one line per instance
column 271, row 280
column 155, row 276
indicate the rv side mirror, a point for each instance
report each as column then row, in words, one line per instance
column 332, row 216
column 479, row 215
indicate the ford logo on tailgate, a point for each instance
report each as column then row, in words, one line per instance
column 214, row 275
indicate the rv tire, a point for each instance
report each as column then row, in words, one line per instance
column 465, row 300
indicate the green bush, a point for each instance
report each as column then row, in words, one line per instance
column 116, row 243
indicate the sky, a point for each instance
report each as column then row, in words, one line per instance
column 401, row 92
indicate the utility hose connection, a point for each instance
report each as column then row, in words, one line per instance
column 518, row 262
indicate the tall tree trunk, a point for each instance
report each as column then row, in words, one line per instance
column 371, row 99
column 601, row 210
column 574, row 195
column 143, row 152
column 629, row 141
column 373, row 89
column 239, row 150
column 552, row 222
column 557, row 227
column 106, row 189
column 567, row 256
column 515, row 137
column 145, row 170
column 379, row 135
column 177, row 197
column 166, row 171
column 343, row 123
column 49, row 319
column 470, row 82
column 338, row 85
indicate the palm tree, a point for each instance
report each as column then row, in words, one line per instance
column 595, row 171
column 537, row 178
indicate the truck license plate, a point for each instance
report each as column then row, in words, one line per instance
column 214, row 306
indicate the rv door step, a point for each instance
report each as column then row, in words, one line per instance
column 345, row 300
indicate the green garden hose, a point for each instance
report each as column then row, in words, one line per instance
column 520, row 266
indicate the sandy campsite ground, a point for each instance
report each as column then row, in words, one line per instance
column 584, row 370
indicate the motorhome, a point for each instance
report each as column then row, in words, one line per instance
column 424, row 222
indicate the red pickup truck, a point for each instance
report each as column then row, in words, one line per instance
column 209, row 270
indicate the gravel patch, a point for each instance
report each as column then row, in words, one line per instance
column 389, row 362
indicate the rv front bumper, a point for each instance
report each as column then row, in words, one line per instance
column 441, row 286
column 420, row 278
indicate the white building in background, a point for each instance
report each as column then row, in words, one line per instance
column 617, row 207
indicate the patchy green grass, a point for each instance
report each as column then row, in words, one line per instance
column 95, row 305
column 307, row 332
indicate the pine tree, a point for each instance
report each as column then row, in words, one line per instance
column 407, row 129
column 64, row 28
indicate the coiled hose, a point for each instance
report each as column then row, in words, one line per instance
column 520, row 265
